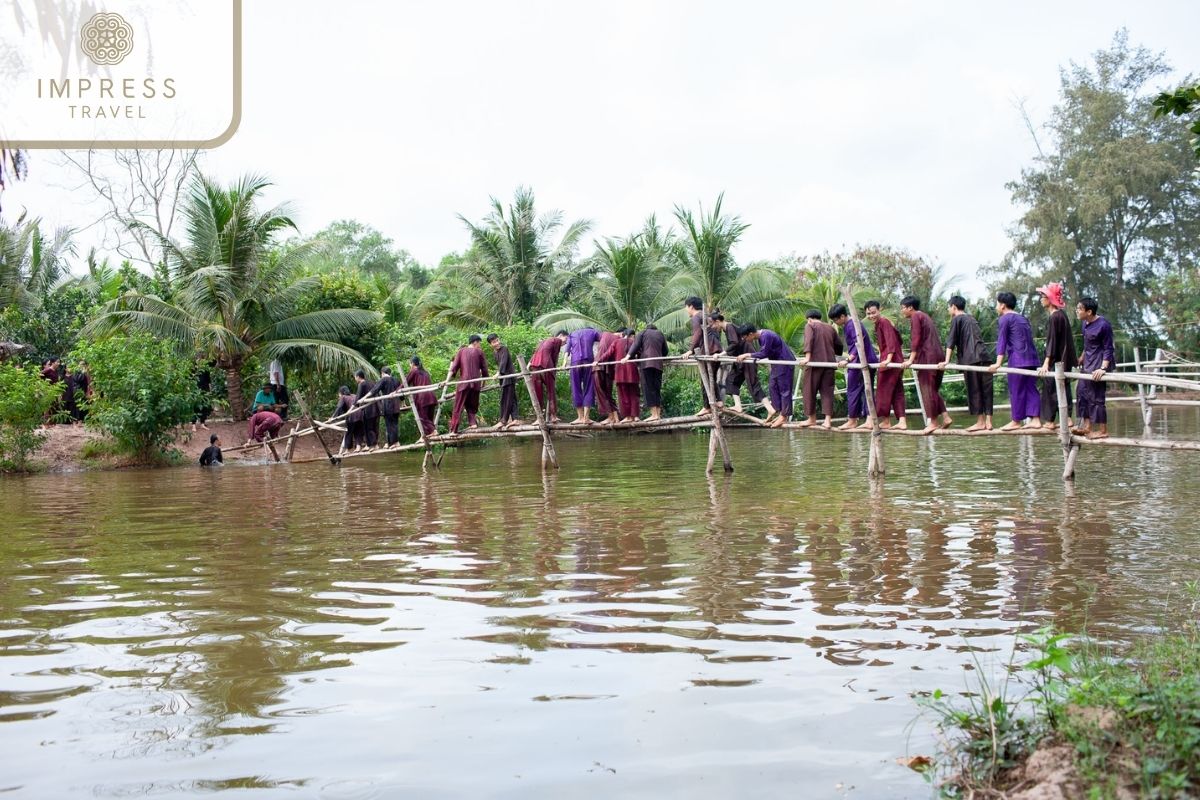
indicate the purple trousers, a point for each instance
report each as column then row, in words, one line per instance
column 583, row 390
column 1023, row 394
column 779, row 387
column 1090, row 397
column 856, row 393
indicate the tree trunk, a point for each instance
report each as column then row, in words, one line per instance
column 237, row 403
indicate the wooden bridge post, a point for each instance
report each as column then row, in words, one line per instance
column 437, row 414
column 548, row 454
column 1064, row 422
column 412, row 404
column 305, row 415
column 707, row 381
column 875, row 462
column 1146, row 411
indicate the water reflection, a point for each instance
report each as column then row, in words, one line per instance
column 686, row 632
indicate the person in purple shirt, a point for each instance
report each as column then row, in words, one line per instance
column 1099, row 356
column 779, row 386
column 1014, row 341
column 856, row 392
column 581, row 350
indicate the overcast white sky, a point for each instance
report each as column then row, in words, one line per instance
column 825, row 124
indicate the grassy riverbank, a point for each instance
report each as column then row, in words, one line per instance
column 1080, row 720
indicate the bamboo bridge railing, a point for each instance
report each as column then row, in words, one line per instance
column 722, row 417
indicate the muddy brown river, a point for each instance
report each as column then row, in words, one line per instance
column 622, row 628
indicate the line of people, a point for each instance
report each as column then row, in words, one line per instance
column 630, row 363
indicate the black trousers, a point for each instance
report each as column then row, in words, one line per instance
column 391, row 423
column 652, row 386
column 980, row 398
column 367, row 434
column 746, row 374
column 713, row 371
column 1048, row 392
column 508, row 403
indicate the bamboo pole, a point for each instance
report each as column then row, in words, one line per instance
column 548, row 454
column 1137, row 365
column 1064, row 421
column 413, row 407
column 437, row 414
column 313, row 424
column 707, row 381
column 876, row 466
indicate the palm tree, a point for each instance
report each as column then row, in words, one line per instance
column 705, row 251
column 234, row 296
column 633, row 280
column 32, row 264
column 513, row 268
column 810, row 290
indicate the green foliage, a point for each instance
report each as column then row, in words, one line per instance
column 876, row 271
column 25, row 399
column 1112, row 204
column 143, row 390
column 1181, row 102
column 234, row 296
column 514, row 269
column 350, row 244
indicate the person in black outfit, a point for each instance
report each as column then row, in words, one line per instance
column 390, row 407
column 508, row 386
column 367, row 416
column 281, row 396
column 345, row 402
column 204, row 409
column 212, row 453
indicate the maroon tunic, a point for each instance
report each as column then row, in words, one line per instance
column 927, row 348
column 890, row 394
column 605, row 370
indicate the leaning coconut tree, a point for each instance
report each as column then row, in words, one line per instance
column 234, row 294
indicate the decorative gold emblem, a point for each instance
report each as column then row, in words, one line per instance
column 106, row 39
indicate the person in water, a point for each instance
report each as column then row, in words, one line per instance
column 212, row 454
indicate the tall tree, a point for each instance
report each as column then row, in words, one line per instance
column 514, row 267
column 31, row 263
column 1111, row 205
column 348, row 243
column 633, row 280
column 705, row 252
column 234, row 295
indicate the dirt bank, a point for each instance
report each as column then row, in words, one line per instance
column 71, row 448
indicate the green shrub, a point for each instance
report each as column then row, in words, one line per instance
column 143, row 389
column 25, row 398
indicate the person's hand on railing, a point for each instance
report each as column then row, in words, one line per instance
column 1044, row 369
column 1098, row 374
column 942, row 365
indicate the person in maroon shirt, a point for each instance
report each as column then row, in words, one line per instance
column 625, row 375
column 890, row 393
column 701, row 344
column 605, row 373
column 264, row 424
column 821, row 344
column 546, row 358
column 424, row 401
column 926, row 348
column 469, row 365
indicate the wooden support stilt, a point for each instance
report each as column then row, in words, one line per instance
column 1146, row 412
column 437, row 414
column 548, row 455
column 875, row 461
column 291, row 445
column 1064, row 422
column 312, row 423
column 707, row 380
